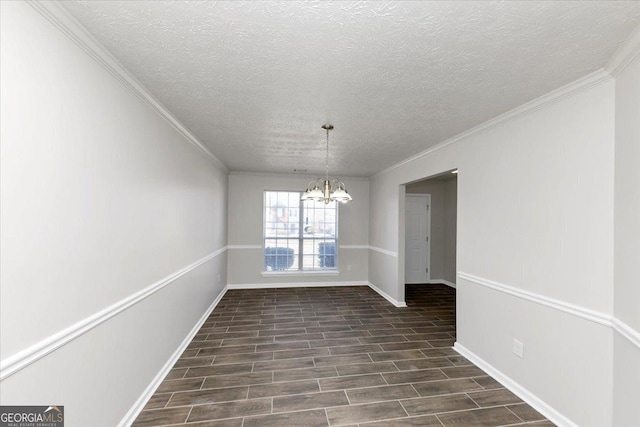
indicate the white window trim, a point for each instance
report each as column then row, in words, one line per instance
column 300, row 273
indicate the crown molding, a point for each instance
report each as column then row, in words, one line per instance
column 590, row 80
column 61, row 19
column 626, row 53
column 307, row 176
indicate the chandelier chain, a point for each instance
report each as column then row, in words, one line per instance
column 327, row 157
column 326, row 191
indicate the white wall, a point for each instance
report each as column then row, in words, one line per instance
column 246, row 200
column 535, row 214
column 443, row 226
column 100, row 199
column 627, row 245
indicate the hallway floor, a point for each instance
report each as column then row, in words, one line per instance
column 332, row 356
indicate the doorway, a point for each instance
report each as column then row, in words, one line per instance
column 439, row 260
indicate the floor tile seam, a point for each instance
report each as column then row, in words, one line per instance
column 314, row 367
column 482, row 408
column 385, row 379
column 188, row 415
column 376, row 386
column 517, row 416
column 221, row 402
column 455, row 411
column 283, row 322
column 168, row 400
column 439, row 420
column 312, row 408
column 457, row 378
column 388, row 342
column 525, row 423
column 287, row 349
column 483, row 387
column 262, row 343
column 403, row 408
column 421, row 382
column 205, row 403
column 443, row 395
column 218, row 388
column 381, row 400
column 414, row 389
column 467, row 394
column 504, row 405
column 347, row 396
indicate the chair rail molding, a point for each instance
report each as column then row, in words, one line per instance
column 594, row 316
column 37, row 351
column 383, row 251
column 354, row 246
column 565, row 307
column 626, row 331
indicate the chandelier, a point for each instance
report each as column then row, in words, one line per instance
column 325, row 190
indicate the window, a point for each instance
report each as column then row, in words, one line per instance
column 299, row 236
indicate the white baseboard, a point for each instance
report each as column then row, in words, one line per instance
column 292, row 285
column 313, row 285
column 137, row 407
column 534, row 401
column 386, row 296
column 441, row 282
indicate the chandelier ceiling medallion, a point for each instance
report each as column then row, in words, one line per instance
column 325, row 190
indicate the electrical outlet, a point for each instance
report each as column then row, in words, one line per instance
column 218, row 277
column 518, row 348
column 348, row 267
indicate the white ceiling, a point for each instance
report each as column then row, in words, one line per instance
column 254, row 81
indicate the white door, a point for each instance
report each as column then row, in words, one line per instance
column 417, row 230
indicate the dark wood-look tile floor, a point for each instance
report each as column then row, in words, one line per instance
column 334, row 356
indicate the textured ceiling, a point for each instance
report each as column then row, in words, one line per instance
column 254, row 81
